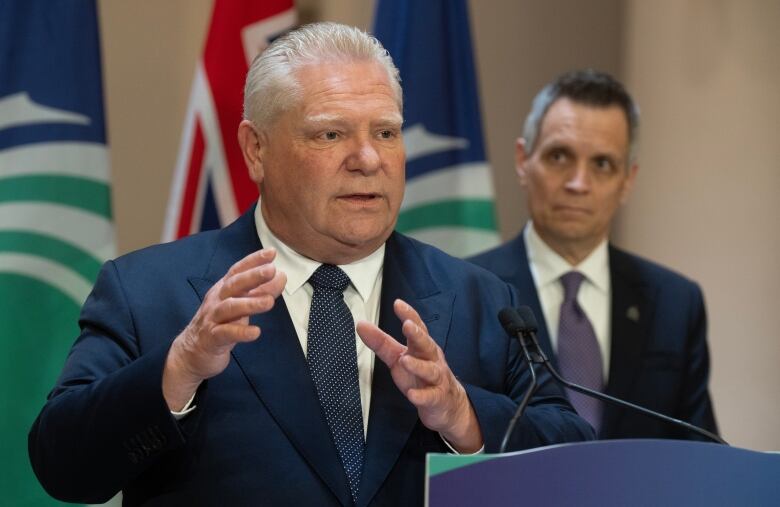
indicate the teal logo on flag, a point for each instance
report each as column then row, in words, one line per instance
column 449, row 188
column 55, row 216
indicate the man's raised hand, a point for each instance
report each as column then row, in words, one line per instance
column 202, row 349
column 421, row 373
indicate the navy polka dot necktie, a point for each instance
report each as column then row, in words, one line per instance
column 579, row 354
column 332, row 359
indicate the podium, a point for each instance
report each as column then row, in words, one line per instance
column 607, row 473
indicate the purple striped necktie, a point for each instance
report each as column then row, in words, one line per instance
column 579, row 355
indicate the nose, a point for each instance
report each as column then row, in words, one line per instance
column 364, row 156
column 579, row 179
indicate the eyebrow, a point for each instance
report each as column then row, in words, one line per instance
column 557, row 145
column 323, row 118
column 394, row 119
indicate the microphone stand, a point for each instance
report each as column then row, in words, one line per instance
column 538, row 357
column 526, row 397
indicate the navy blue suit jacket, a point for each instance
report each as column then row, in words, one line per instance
column 257, row 436
column 659, row 357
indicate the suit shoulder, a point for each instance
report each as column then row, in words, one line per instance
column 489, row 257
column 447, row 268
column 503, row 259
column 648, row 271
column 188, row 253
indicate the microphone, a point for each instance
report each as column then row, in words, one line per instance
column 514, row 325
column 528, row 331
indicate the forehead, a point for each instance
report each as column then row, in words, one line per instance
column 360, row 85
column 604, row 128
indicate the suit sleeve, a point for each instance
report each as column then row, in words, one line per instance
column 695, row 404
column 548, row 419
column 106, row 419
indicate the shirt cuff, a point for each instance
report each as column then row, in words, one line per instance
column 481, row 450
column 189, row 407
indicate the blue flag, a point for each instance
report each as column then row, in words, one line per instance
column 449, row 187
column 55, row 210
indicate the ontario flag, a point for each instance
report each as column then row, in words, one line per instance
column 211, row 186
column 449, row 187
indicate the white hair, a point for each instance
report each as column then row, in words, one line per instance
column 271, row 85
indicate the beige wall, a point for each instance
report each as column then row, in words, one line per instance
column 706, row 74
column 702, row 70
column 150, row 49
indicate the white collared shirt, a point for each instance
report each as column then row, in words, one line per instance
column 594, row 295
column 362, row 297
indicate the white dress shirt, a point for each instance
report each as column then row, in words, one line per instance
column 594, row 295
column 361, row 297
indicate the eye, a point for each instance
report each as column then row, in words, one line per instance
column 604, row 164
column 558, row 156
column 330, row 135
column 388, row 134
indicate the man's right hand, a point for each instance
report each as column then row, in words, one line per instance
column 202, row 350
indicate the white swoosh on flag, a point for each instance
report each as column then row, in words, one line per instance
column 18, row 109
column 420, row 142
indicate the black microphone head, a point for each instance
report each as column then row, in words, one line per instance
column 527, row 316
column 511, row 321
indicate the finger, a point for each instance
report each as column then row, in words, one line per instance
column 383, row 345
column 232, row 309
column 256, row 258
column 273, row 287
column 231, row 333
column 405, row 311
column 422, row 397
column 419, row 342
column 240, row 283
column 426, row 371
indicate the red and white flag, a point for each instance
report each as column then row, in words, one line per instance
column 211, row 186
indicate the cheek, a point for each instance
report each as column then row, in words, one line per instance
column 542, row 188
column 610, row 204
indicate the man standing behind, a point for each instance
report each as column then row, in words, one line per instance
column 615, row 321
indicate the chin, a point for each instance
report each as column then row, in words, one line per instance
column 573, row 232
column 365, row 237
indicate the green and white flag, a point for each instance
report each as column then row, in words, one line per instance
column 449, row 186
column 55, row 210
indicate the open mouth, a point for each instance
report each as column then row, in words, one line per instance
column 360, row 197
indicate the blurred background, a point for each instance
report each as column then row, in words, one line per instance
column 706, row 76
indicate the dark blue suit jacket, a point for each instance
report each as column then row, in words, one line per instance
column 257, row 436
column 659, row 356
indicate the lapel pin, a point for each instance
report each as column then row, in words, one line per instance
column 633, row 313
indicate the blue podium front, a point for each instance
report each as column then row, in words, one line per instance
column 607, row 473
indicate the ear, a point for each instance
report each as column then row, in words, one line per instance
column 628, row 185
column 250, row 139
column 521, row 157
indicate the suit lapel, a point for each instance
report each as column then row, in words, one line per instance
column 392, row 418
column 517, row 272
column 276, row 368
column 630, row 322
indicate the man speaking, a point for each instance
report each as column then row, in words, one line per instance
column 193, row 382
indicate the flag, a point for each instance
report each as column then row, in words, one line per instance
column 55, row 212
column 211, row 186
column 449, row 187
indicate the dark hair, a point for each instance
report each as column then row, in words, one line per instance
column 589, row 87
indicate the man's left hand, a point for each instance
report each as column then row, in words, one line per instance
column 421, row 373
